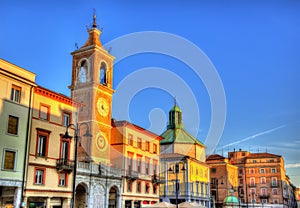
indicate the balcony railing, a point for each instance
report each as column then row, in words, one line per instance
column 155, row 179
column 252, row 185
column 64, row 165
column 263, row 196
column 131, row 174
column 274, row 185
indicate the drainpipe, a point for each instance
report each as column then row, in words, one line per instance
column 28, row 130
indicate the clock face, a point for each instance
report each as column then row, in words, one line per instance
column 102, row 143
column 102, row 107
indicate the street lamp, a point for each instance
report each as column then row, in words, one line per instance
column 176, row 179
column 76, row 137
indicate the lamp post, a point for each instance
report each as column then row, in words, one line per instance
column 253, row 194
column 76, row 137
column 176, row 179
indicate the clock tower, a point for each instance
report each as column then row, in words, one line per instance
column 92, row 75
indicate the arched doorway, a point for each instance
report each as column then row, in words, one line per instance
column 80, row 196
column 112, row 200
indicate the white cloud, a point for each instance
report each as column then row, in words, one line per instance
column 294, row 165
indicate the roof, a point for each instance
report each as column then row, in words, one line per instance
column 124, row 123
column 177, row 156
column 262, row 154
column 215, row 157
column 231, row 200
column 178, row 135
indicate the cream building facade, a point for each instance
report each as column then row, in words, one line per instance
column 17, row 85
column 51, row 157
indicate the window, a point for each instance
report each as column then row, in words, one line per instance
column 213, row 170
column 273, row 170
column 129, row 185
column 274, row 181
column 147, row 147
column 274, row 191
column 254, row 161
column 263, row 180
column 39, row 176
column 138, row 186
column 147, row 166
column 264, row 201
column 251, row 171
column 263, row 191
column 82, row 74
column 252, row 181
column 275, row 201
column 139, row 143
column 129, row 162
column 9, row 160
column 147, row 188
column 65, row 148
column 66, row 119
column 44, row 112
column 62, row 179
column 13, row 123
column 130, row 139
column 262, row 170
column 15, row 93
column 241, row 171
column 154, row 148
column 103, row 71
column 42, row 142
column 139, row 164
column 241, row 181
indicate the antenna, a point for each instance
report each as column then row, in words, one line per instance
column 76, row 45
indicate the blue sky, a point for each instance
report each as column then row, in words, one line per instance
column 253, row 45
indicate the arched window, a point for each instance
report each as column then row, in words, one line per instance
column 103, row 77
column 83, row 72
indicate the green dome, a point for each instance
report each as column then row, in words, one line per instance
column 176, row 108
column 231, row 200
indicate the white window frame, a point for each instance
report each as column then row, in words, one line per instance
column 39, row 176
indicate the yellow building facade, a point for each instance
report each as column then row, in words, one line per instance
column 183, row 170
column 51, row 157
column 135, row 151
column 17, row 85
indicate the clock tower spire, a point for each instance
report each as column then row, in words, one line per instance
column 92, row 75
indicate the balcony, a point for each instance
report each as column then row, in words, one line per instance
column 264, row 196
column 132, row 175
column 274, row 185
column 64, row 165
column 155, row 179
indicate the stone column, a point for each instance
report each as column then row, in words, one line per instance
column 17, row 196
column 48, row 202
column 67, row 203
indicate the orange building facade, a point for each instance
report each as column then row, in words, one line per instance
column 262, row 179
column 223, row 178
